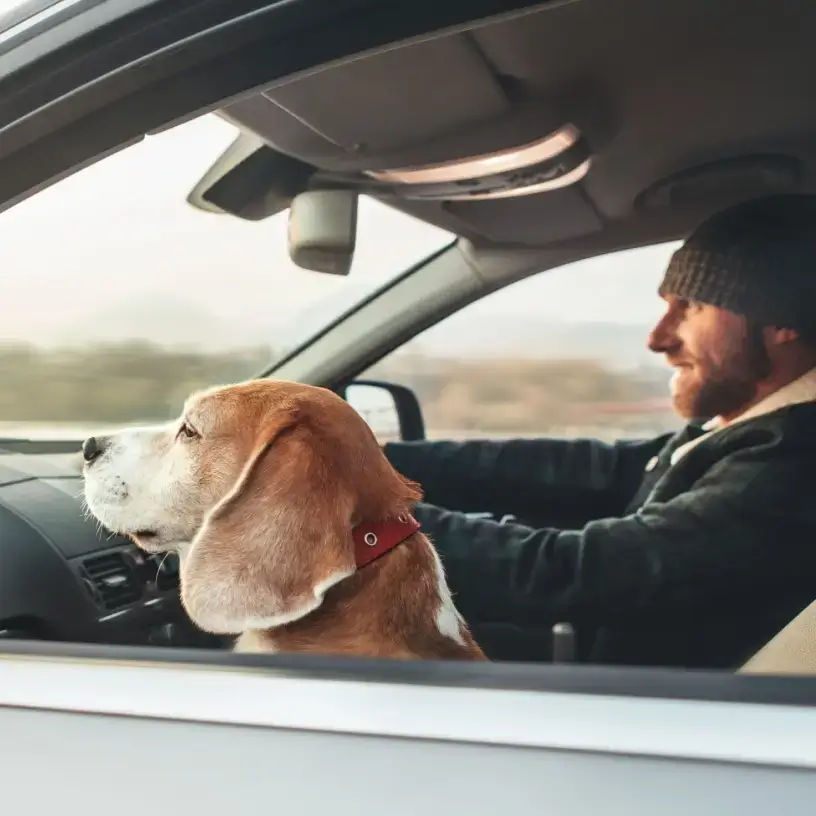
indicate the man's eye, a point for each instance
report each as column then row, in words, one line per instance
column 187, row 431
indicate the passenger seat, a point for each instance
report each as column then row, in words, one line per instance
column 792, row 651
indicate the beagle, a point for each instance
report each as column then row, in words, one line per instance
column 293, row 530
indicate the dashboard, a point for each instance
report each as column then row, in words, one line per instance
column 62, row 577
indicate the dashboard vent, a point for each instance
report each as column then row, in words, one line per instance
column 111, row 580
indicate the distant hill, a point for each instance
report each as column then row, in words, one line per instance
column 619, row 345
column 163, row 321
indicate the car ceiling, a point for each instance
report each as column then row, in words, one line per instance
column 725, row 89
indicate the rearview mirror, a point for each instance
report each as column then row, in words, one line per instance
column 323, row 230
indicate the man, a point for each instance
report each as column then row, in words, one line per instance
column 691, row 549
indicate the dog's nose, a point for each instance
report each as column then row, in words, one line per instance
column 93, row 447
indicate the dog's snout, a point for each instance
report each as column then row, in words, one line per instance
column 93, row 447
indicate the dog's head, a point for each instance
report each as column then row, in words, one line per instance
column 257, row 487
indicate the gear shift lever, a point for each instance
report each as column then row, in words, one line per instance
column 563, row 643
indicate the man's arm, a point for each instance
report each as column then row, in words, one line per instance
column 549, row 478
column 715, row 546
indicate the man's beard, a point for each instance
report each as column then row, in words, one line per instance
column 733, row 385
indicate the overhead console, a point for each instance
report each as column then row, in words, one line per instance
column 450, row 127
column 432, row 126
column 64, row 578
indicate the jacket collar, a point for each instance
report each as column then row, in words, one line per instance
column 802, row 389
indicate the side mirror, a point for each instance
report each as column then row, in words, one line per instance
column 391, row 411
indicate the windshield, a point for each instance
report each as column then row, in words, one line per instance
column 118, row 298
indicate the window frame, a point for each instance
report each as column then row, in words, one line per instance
column 114, row 89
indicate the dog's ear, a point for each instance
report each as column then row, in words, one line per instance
column 272, row 547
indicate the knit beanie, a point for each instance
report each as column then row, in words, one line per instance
column 756, row 259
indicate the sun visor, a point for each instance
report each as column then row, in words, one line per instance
column 415, row 93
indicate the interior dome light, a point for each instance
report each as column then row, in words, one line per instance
column 488, row 164
column 571, row 177
column 558, row 160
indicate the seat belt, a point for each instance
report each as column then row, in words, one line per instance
column 791, row 651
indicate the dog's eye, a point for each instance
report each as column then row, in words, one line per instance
column 187, row 431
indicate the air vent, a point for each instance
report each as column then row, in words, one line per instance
column 111, row 580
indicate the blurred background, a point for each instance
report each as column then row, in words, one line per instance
column 118, row 299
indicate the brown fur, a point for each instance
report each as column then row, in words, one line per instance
column 306, row 469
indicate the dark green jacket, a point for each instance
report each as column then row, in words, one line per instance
column 696, row 564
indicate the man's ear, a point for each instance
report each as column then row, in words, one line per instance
column 269, row 551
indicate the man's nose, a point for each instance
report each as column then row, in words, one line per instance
column 653, row 341
column 663, row 338
column 94, row 446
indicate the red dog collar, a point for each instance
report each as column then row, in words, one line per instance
column 373, row 540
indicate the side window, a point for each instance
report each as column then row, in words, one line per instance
column 562, row 353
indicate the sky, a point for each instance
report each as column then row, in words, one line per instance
column 115, row 251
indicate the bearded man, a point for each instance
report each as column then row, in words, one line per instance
column 691, row 549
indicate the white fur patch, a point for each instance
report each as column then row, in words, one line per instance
column 448, row 620
column 253, row 641
column 143, row 481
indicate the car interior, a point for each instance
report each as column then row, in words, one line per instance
column 538, row 137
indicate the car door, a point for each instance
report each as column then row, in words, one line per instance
column 102, row 729
column 95, row 730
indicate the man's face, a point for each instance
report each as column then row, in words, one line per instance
column 718, row 358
